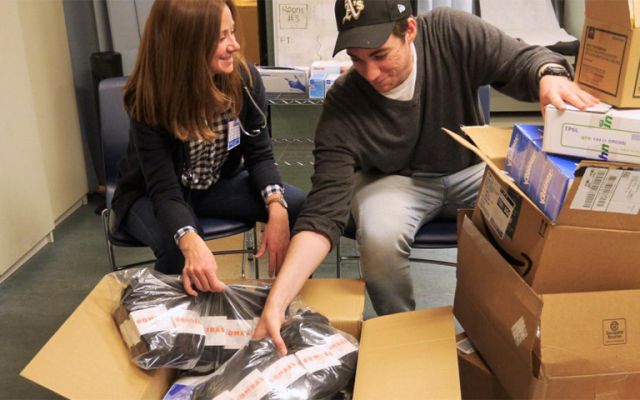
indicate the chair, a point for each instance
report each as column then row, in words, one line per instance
column 436, row 234
column 114, row 129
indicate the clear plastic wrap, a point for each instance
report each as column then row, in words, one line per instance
column 163, row 327
column 159, row 322
column 230, row 317
column 321, row 362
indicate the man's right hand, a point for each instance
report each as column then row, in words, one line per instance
column 269, row 326
column 200, row 266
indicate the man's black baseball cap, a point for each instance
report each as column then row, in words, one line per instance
column 367, row 23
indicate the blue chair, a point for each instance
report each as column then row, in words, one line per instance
column 436, row 234
column 114, row 129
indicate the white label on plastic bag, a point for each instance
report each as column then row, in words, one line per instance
column 339, row 346
column 187, row 321
column 239, row 332
column 284, row 372
column 496, row 205
column 608, row 190
column 316, row 358
column 465, row 346
column 252, row 387
column 519, row 331
column 129, row 333
column 153, row 319
column 215, row 329
column 224, row 396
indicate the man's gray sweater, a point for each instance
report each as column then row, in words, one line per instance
column 360, row 129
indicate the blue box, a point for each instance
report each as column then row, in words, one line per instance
column 545, row 178
column 316, row 85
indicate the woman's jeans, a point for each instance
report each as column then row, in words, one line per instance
column 233, row 198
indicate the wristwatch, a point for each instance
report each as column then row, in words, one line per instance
column 555, row 70
column 278, row 199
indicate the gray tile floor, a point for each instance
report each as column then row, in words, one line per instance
column 37, row 298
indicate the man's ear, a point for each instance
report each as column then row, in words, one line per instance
column 412, row 30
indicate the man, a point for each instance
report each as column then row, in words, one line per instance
column 380, row 153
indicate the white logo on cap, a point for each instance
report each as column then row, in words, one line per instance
column 352, row 8
column 401, row 8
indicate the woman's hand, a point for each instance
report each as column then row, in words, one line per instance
column 269, row 325
column 199, row 265
column 275, row 239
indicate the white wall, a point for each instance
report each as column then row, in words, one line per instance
column 42, row 172
column 574, row 17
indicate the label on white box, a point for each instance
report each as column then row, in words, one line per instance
column 604, row 141
column 239, row 332
column 608, row 190
column 316, row 358
column 284, row 372
column 215, row 329
column 496, row 205
column 152, row 319
column 252, row 387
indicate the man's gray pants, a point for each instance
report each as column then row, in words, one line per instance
column 388, row 210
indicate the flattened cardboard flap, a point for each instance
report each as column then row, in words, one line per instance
column 410, row 355
column 499, row 312
column 615, row 12
column 86, row 359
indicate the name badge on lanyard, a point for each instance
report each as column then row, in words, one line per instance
column 233, row 134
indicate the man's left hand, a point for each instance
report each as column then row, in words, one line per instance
column 560, row 91
column 275, row 239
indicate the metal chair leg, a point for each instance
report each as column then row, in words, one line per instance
column 105, row 225
column 244, row 255
column 256, row 265
column 338, row 259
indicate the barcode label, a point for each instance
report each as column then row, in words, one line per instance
column 496, row 205
column 608, row 190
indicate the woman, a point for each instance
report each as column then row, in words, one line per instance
column 197, row 143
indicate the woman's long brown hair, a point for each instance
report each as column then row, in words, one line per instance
column 172, row 86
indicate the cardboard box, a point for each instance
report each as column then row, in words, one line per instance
column 601, row 133
column 564, row 346
column 477, row 381
column 598, row 225
column 283, row 80
column 86, row 358
column 546, row 178
column 410, row 355
column 609, row 57
column 248, row 22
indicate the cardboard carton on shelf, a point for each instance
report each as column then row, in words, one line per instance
column 600, row 133
column 609, row 57
column 86, row 358
column 544, row 346
column 598, row 225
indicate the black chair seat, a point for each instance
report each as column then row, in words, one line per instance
column 432, row 235
column 212, row 228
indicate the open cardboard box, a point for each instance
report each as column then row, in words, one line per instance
column 585, row 248
column 565, row 345
column 609, row 57
column 86, row 358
